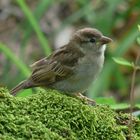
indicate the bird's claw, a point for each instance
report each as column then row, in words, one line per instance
column 85, row 99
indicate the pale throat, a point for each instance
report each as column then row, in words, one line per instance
column 100, row 52
column 103, row 48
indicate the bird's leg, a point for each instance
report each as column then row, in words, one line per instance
column 86, row 99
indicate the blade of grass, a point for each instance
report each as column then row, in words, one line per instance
column 39, row 11
column 34, row 24
column 15, row 60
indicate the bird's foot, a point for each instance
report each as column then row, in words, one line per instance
column 86, row 99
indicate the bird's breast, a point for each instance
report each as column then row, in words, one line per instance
column 84, row 74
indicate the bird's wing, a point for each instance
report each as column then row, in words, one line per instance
column 57, row 66
column 38, row 63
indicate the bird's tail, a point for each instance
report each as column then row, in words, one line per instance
column 23, row 85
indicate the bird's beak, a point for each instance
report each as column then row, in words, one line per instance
column 105, row 40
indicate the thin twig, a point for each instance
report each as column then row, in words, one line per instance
column 132, row 95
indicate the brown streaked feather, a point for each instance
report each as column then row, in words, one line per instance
column 38, row 63
column 56, row 67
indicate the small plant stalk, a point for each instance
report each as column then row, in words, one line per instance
column 135, row 68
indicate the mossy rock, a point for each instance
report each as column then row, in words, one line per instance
column 50, row 115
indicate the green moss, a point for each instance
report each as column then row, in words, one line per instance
column 50, row 115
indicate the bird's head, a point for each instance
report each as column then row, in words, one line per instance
column 90, row 39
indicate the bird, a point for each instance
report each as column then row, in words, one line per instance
column 71, row 68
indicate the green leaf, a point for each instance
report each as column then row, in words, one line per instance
column 138, row 105
column 105, row 100
column 123, row 61
column 139, row 28
column 120, row 106
column 15, row 60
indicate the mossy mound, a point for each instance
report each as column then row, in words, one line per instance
column 50, row 115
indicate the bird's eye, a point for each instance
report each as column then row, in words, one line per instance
column 92, row 40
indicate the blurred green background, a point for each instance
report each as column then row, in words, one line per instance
column 32, row 29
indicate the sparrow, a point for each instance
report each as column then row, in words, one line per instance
column 73, row 67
